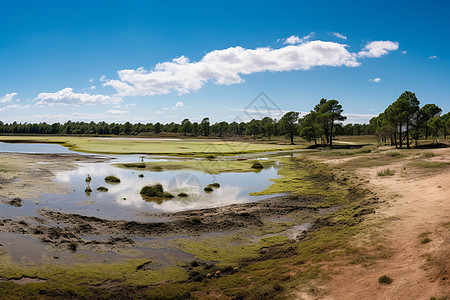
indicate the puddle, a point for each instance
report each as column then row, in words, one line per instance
column 22, row 249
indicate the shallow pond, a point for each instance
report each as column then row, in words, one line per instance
column 123, row 200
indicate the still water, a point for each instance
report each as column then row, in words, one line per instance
column 123, row 200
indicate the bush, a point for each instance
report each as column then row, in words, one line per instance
column 257, row 165
column 88, row 189
column 155, row 190
column 208, row 189
column 141, row 175
column 112, row 179
column 214, row 185
column 385, row 279
column 183, row 195
column 102, row 189
column 386, row 172
column 425, row 241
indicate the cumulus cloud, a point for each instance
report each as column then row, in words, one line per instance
column 67, row 96
column 432, row 57
column 338, row 35
column 8, row 97
column 376, row 79
column 116, row 112
column 178, row 105
column 404, row 52
column 378, row 48
column 16, row 106
column 293, row 39
column 226, row 67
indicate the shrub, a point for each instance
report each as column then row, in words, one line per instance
column 183, row 195
column 88, row 189
column 102, row 189
column 214, row 185
column 155, row 190
column 257, row 165
column 208, row 189
column 386, row 172
column 425, row 241
column 112, row 179
column 141, row 175
column 385, row 279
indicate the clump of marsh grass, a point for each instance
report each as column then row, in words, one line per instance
column 157, row 169
column 141, row 175
column 182, row 194
column 208, row 189
column 257, row 165
column 102, row 189
column 155, row 190
column 386, row 172
column 214, row 185
column 112, row 179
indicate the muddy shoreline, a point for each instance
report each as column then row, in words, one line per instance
column 60, row 229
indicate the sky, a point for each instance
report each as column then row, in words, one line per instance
column 164, row 61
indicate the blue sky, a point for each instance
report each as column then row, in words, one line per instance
column 164, row 61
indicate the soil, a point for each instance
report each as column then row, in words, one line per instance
column 416, row 200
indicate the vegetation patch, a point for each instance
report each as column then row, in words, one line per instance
column 155, row 190
column 141, row 175
column 208, row 189
column 182, row 194
column 429, row 164
column 214, row 185
column 386, row 172
column 112, row 179
column 102, row 189
column 385, row 280
column 257, row 165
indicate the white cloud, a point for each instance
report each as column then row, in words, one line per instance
column 376, row 79
column 93, row 87
column 16, row 106
column 293, row 39
column 378, row 48
column 404, row 52
column 432, row 57
column 91, row 80
column 338, row 35
column 178, row 105
column 116, row 112
column 224, row 67
column 67, row 96
column 8, row 97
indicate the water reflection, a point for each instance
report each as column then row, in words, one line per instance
column 235, row 188
column 123, row 200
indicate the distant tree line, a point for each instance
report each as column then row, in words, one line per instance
column 402, row 122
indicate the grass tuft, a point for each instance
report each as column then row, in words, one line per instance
column 112, row 179
column 386, row 172
column 155, row 190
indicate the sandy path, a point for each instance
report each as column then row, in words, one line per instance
column 419, row 271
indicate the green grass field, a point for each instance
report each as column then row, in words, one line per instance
column 181, row 147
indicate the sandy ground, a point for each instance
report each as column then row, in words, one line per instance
column 417, row 201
